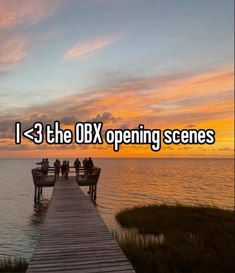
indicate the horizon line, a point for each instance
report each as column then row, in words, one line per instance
column 121, row 157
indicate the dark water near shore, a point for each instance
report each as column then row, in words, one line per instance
column 123, row 183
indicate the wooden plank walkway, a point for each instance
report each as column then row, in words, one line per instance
column 74, row 237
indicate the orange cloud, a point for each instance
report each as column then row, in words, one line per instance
column 86, row 48
column 197, row 101
column 14, row 12
column 210, row 83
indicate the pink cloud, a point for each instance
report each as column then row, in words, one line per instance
column 86, row 48
column 13, row 50
column 14, row 12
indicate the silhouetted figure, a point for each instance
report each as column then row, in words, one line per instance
column 84, row 163
column 77, row 165
column 57, row 168
column 63, row 169
column 67, row 170
column 45, row 166
column 40, row 163
column 89, row 166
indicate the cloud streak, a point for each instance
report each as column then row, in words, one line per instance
column 87, row 48
column 14, row 13
column 199, row 101
column 13, row 50
column 15, row 19
column 145, row 99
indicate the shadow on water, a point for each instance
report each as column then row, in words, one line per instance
column 39, row 213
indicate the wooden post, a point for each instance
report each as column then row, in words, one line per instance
column 35, row 193
column 92, row 191
column 38, row 193
column 95, row 192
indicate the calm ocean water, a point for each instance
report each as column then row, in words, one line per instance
column 123, row 183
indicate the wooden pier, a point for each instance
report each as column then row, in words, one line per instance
column 74, row 237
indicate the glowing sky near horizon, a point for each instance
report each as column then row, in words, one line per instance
column 162, row 63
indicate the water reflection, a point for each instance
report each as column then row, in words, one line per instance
column 39, row 213
column 123, row 183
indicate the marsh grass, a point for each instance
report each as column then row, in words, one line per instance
column 13, row 265
column 132, row 236
column 166, row 239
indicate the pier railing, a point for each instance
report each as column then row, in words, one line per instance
column 84, row 177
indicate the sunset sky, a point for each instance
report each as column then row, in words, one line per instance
column 161, row 63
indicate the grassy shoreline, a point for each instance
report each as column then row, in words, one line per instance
column 170, row 239
column 167, row 239
column 13, row 265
